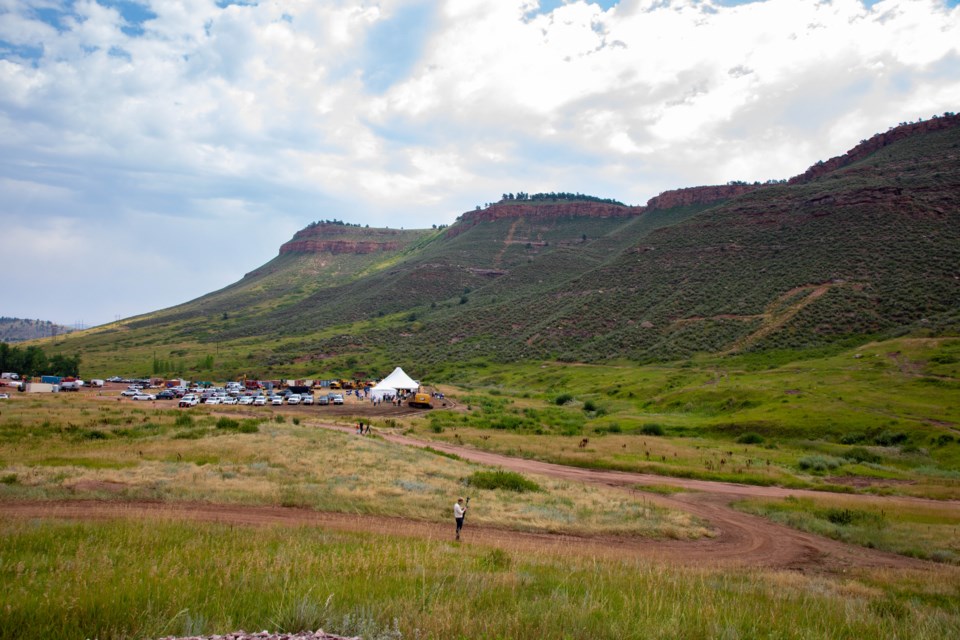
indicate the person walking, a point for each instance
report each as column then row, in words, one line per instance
column 459, row 512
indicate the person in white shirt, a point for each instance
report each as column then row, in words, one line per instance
column 459, row 511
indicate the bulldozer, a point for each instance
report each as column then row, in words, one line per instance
column 421, row 400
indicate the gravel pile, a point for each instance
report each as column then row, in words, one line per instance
column 266, row 635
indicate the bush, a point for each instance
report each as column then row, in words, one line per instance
column 500, row 479
column 249, row 426
column 889, row 438
column 589, row 406
column 184, row 420
column 819, row 463
column 750, row 438
column 563, row 399
column 652, row 429
column 861, row 454
column 278, row 419
column 227, row 423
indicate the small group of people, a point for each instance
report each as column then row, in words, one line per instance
column 363, row 430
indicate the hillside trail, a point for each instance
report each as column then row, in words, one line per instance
column 739, row 540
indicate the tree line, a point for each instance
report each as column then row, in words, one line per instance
column 32, row 361
column 520, row 196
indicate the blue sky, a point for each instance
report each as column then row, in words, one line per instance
column 151, row 152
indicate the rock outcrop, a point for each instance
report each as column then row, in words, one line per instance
column 699, row 195
column 342, row 239
column 541, row 211
column 337, row 246
column 874, row 144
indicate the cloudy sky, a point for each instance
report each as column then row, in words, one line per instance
column 152, row 151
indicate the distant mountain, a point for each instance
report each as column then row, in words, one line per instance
column 864, row 245
column 21, row 329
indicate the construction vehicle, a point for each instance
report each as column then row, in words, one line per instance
column 421, row 400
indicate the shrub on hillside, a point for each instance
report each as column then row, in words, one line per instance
column 563, row 399
column 500, row 479
column 750, row 438
column 861, row 454
column 819, row 463
column 652, row 429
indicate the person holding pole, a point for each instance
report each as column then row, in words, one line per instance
column 459, row 513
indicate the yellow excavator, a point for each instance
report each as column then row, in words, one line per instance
column 421, row 400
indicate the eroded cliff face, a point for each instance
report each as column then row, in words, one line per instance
column 533, row 211
column 337, row 246
column 341, row 239
column 874, row 144
column 699, row 195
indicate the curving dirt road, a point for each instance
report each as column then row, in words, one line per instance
column 741, row 539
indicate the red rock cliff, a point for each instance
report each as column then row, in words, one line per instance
column 874, row 144
column 541, row 211
column 698, row 195
column 329, row 238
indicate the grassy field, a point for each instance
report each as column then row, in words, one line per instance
column 882, row 418
column 80, row 445
column 125, row 579
column 874, row 420
column 921, row 531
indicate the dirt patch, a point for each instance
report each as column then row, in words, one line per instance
column 863, row 482
column 96, row 486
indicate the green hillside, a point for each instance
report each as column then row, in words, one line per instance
column 864, row 246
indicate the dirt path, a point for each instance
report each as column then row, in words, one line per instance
column 741, row 539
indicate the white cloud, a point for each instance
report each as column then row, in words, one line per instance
column 269, row 116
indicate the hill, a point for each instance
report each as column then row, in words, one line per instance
column 22, row 329
column 861, row 246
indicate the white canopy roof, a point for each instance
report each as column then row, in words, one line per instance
column 398, row 380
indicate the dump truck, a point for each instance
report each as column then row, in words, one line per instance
column 421, row 400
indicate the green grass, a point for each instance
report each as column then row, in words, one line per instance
column 126, row 579
column 829, row 422
column 921, row 531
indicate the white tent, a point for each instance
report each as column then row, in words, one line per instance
column 396, row 381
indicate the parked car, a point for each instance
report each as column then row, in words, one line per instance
column 166, row 395
column 276, row 400
column 323, row 401
column 259, row 401
column 129, row 393
column 144, row 396
column 228, row 400
column 337, row 398
column 293, row 398
column 245, row 400
column 189, row 400
column 4, row 396
column 212, row 400
column 308, row 399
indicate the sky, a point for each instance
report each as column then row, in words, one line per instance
column 152, row 151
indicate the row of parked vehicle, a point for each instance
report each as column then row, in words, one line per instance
column 191, row 399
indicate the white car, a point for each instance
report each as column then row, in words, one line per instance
column 259, row 401
column 228, row 400
column 306, row 399
column 293, row 398
column 4, row 396
column 189, row 400
column 276, row 401
column 245, row 400
column 213, row 400
column 144, row 396
column 130, row 392
column 337, row 398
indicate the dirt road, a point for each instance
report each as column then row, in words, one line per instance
column 740, row 540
